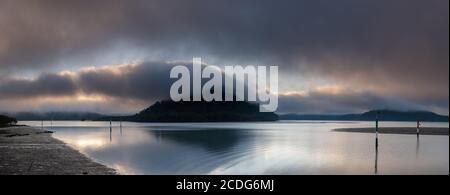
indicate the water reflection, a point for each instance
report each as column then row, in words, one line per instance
column 417, row 147
column 376, row 156
column 89, row 143
column 217, row 140
column 253, row 148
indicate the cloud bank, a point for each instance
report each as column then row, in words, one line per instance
column 131, row 87
column 379, row 48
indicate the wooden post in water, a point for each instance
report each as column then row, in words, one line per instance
column 121, row 127
column 418, row 128
column 376, row 131
column 417, row 147
column 376, row 161
column 110, row 130
column 418, row 141
column 376, row 143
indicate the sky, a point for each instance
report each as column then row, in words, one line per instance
column 113, row 56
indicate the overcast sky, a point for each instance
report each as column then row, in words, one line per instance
column 114, row 56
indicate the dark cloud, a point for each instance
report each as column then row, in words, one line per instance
column 392, row 48
column 44, row 85
column 147, row 81
column 38, row 34
column 284, row 30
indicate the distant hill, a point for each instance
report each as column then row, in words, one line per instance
column 6, row 121
column 169, row 111
column 57, row 116
column 384, row 115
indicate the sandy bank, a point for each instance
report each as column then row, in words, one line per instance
column 31, row 151
column 398, row 130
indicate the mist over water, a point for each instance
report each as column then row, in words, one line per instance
column 285, row 147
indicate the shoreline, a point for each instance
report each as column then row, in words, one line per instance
column 30, row 151
column 398, row 130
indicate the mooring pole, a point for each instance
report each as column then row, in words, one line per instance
column 376, row 143
column 376, row 131
column 418, row 128
column 110, row 130
column 417, row 147
column 120, row 127
column 376, row 161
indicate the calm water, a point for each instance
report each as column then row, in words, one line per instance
column 286, row 147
